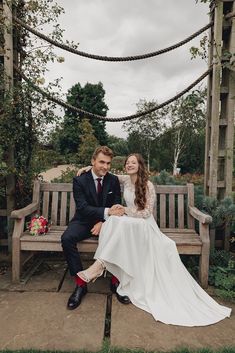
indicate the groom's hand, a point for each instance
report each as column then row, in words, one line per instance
column 116, row 210
column 96, row 229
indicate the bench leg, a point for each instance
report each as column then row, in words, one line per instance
column 204, row 267
column 16, row 260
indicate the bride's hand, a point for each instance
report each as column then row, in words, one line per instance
column 84, row 170
column 116, row 210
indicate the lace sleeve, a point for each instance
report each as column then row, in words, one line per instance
column 148, row 210
column 122, row 178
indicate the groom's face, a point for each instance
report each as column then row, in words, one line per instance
column 101, row 164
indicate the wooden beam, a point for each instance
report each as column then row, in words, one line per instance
column 230, row 115
column 215, row 108
column 208, row 112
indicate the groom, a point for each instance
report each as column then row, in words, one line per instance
column 95, row 194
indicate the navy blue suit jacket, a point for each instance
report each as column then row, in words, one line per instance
column 88, row 210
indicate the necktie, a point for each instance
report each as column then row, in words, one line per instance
column 99, row 186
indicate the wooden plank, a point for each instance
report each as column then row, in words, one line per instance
column 172, row 210
column 215, row 111
column 178, row 230
column 230, row 115
column 162, row 210
column 189, row 250
column 36, row 191
column 71, row 206
column 208, row 110
column 63, row 208
column 57, row 187
column 54, row 208
column 171, row 189
column 181, row 211
column 45, row 205
column 190, row 219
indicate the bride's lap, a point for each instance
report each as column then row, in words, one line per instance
column 126, row 220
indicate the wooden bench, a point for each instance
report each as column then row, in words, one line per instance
column 174, row 212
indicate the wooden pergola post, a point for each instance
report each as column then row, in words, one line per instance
column 221, row 104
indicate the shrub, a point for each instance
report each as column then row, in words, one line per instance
column 118, row 164
column 45, row 159
column 222, row 274
column 66, row 176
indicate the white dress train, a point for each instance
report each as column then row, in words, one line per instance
column 149, row 268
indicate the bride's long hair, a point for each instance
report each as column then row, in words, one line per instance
column 141, row 182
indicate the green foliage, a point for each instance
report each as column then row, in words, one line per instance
column 46, row 158
column 66, row 176
column 118, row 164
column 202, row 51
column 88, row 143
column 68, row 134
column 173, row 137
column 220, row 258
column 222, row 274
column 3, row 165
column 146, row 129
column 222, row 212
column 118, row 145
column 164, row 178
column 26, row 114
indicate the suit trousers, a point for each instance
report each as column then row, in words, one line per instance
column 72, row 235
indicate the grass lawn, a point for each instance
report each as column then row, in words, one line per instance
column 107, row 349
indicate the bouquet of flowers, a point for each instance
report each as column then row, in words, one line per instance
column 38, row 225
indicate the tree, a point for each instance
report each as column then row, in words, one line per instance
column 118, row 145
column 147, row 128
column 187, row 119
column 89, row 98
column 26, row 113
column 88, row 143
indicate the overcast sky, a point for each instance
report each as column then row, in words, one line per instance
column 130, row 27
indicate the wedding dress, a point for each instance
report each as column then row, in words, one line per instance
column 149, row 268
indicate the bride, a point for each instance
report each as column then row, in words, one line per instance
column 146, row 261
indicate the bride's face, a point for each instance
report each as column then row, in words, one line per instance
column 132, row 165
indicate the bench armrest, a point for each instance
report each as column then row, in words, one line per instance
column 23, row 212
column 199, row 215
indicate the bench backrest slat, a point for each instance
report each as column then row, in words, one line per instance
column 45, row 207
column 54, row 208
column 191, row 220
column 162, row 211
column 63, row 208
column 172, row 211
column 181, row 211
